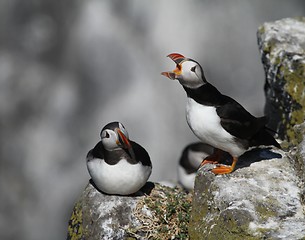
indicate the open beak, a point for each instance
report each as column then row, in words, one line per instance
column 178, row 59
column 126, row 143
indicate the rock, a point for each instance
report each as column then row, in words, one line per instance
column 157, row 212
column 259, row 200
column 297, row 155
column 282, row 47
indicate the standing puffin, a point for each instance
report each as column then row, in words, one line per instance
column 216, row 119
column 189, row 163
column 116, row 164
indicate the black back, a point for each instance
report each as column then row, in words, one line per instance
column 141, row 154
column 96, row 152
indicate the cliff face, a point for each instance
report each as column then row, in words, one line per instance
column 282, row 47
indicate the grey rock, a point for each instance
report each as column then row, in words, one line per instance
column 156, row 212
column 260, row 200
column 297, row 154
column 101, row 216
column 282, row 47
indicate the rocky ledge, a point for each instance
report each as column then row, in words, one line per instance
column 156, row 212
column 260, row 200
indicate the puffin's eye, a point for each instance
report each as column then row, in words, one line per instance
column 107, row 135
column 193, row 69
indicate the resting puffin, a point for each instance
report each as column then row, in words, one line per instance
column 116, row 164
column 216, row 119
column 189, row 163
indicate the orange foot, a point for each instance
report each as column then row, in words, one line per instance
column 206, row 161
column 221, row 169
column 213, row 159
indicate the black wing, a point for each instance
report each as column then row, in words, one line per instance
column 96, row 152
column 141, row 154
column 238, row 121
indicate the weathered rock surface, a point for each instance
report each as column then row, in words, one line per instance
column 158, row 212
column 260, row 200
column 282, row 47
column 298, row 157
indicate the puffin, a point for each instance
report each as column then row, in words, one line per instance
column 117, row 165
column 217, row 119
column 190, row 161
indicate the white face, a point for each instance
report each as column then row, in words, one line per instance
column 110, row 138
column 191, row 74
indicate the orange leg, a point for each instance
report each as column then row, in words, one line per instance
column 213, row 159
column 221, row 169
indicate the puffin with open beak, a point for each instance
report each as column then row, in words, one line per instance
column 116, row 164
column 216, row 119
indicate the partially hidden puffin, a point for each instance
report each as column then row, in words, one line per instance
column 216, row 119
column 116, row 164
column 189, row 163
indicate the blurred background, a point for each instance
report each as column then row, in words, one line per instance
column 67, row 68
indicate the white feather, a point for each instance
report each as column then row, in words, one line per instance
column 205, row 124
column 122, row 178
column 185, row 179
column 196, row 157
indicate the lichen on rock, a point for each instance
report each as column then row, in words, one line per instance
column 260, row 200
column 298, row 156
column 157, row 212
column 75, row 228
column 282, row 47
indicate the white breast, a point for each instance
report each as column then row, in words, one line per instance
column 205, row 124
column 185, row 179
column 122, row 178
column 196, row 157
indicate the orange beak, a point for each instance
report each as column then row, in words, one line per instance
column 178, row 59
column 123, row 140
column 126, row 143
column 170, row 75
